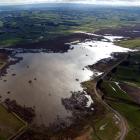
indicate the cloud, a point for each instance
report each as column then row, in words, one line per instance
column 110, row 2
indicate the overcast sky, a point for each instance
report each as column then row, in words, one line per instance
column 111, row 2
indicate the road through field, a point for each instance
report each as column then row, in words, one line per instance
column 123, row 121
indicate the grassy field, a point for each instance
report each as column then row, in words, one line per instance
column 105, row 128
column 9, row 124
column 131, row 43
column 103, row 123
column 120, row 101
column 129, row 71
column 9, row 42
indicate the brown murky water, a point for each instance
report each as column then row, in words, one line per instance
column 41, row 80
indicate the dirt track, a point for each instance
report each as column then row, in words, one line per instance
column 123, row 122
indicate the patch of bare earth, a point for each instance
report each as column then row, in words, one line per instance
column 86, row 134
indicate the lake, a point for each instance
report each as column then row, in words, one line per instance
column 41, row 80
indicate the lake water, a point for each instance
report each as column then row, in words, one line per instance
column 53, row 76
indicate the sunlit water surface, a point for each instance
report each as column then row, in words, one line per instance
column 55, row 75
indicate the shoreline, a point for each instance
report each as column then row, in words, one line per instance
column 3, row 69
column 85, row 81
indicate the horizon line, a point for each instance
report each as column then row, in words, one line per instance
column 78, row 3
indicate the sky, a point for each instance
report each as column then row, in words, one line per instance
column 110, row 2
